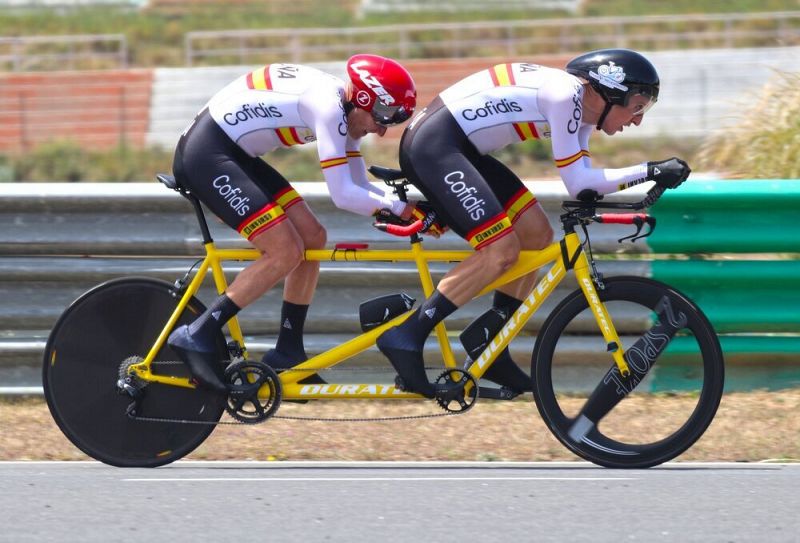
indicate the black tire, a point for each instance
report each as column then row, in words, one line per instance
column 682, row 390
column 108, row 324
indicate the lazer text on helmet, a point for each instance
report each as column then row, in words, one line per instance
column 373, row 83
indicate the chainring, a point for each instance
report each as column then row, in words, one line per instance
column 460, row 379
column 245, row 380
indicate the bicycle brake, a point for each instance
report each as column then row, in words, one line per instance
column 639, row 223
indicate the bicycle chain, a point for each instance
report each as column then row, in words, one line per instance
column 290, row 417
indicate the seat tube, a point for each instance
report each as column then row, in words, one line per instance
column 222, row 284
column 427, row 288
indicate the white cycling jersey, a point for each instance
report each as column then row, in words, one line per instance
column 282, row 105
column 514, row 102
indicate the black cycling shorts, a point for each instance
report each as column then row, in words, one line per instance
column 245, row 192
column 477, row 196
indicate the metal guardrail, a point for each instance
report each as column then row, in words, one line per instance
column 498, row 38
column 78, row 52
column 57, row 240
column 739, row 260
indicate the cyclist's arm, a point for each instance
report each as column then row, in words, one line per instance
column 358, row 167
column 560, row 104
column 327, row 117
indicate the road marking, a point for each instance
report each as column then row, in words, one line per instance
column 344, row 479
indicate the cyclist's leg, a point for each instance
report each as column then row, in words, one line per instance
column 301, row 282
column 533, row 229
column 298, row 290
column 526, row 214
column 439, row 160
column 215, row 170
column 281, row 251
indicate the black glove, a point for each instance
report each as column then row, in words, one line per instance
column 668, row 173
column 430, row 218
column 386, row 216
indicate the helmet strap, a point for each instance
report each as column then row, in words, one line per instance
column 603, row 115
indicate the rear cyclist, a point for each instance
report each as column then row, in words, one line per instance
column 217, row 159
column 444, row 152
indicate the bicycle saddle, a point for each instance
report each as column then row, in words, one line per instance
column 168, row 180
column 386, row 174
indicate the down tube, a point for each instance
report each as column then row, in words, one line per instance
column 529, row 306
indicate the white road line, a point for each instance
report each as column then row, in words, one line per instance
column 344, row 479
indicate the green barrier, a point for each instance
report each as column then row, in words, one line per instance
column 739, row 296
column 739, row 247
column 712, row 217
column 753, row 361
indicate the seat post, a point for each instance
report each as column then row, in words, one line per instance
column 201, row 217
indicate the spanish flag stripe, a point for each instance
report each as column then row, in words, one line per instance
column 521, row 201
column 295, row 137
column 535, row 132
column 282, row 137
column 354, row 154
column 519, row 131
column 563, row 162
column 287, row 198
column 266, row 226
column 486, row 224
column 525, row 132
column 331, row 162
column 502, row 75
column 268, row 215
column 259, row 79
column 493, row 75
column 250, row 84
column 510, row 71
column 292, row 202
column 267, row 80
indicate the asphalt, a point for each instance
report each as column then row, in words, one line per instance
column 249, row 501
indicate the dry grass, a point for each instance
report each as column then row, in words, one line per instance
column 765, row 142
column 752, row 426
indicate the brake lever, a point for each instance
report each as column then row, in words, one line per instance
column 639, row 222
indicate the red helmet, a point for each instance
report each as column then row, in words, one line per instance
column 382, row 87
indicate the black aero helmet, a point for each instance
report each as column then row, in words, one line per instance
column 617, row 74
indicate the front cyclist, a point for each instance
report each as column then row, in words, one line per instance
column 217, row 159
column 444, row 152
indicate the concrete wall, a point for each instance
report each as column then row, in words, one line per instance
column 702, row 90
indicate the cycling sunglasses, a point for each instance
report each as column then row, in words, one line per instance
column 389, row 115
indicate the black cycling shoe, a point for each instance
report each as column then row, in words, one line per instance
column 410, row 365
column 204, row 365
column 505, row 372
column 279, row 362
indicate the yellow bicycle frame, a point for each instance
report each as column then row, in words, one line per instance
column 568, row 250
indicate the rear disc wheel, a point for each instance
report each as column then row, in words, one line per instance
column 102, row 331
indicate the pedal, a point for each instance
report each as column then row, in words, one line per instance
column 235, row 350
column 502, row 393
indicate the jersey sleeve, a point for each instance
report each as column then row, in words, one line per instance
column 330, row 127
column 561, row 103
column 358, row 167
